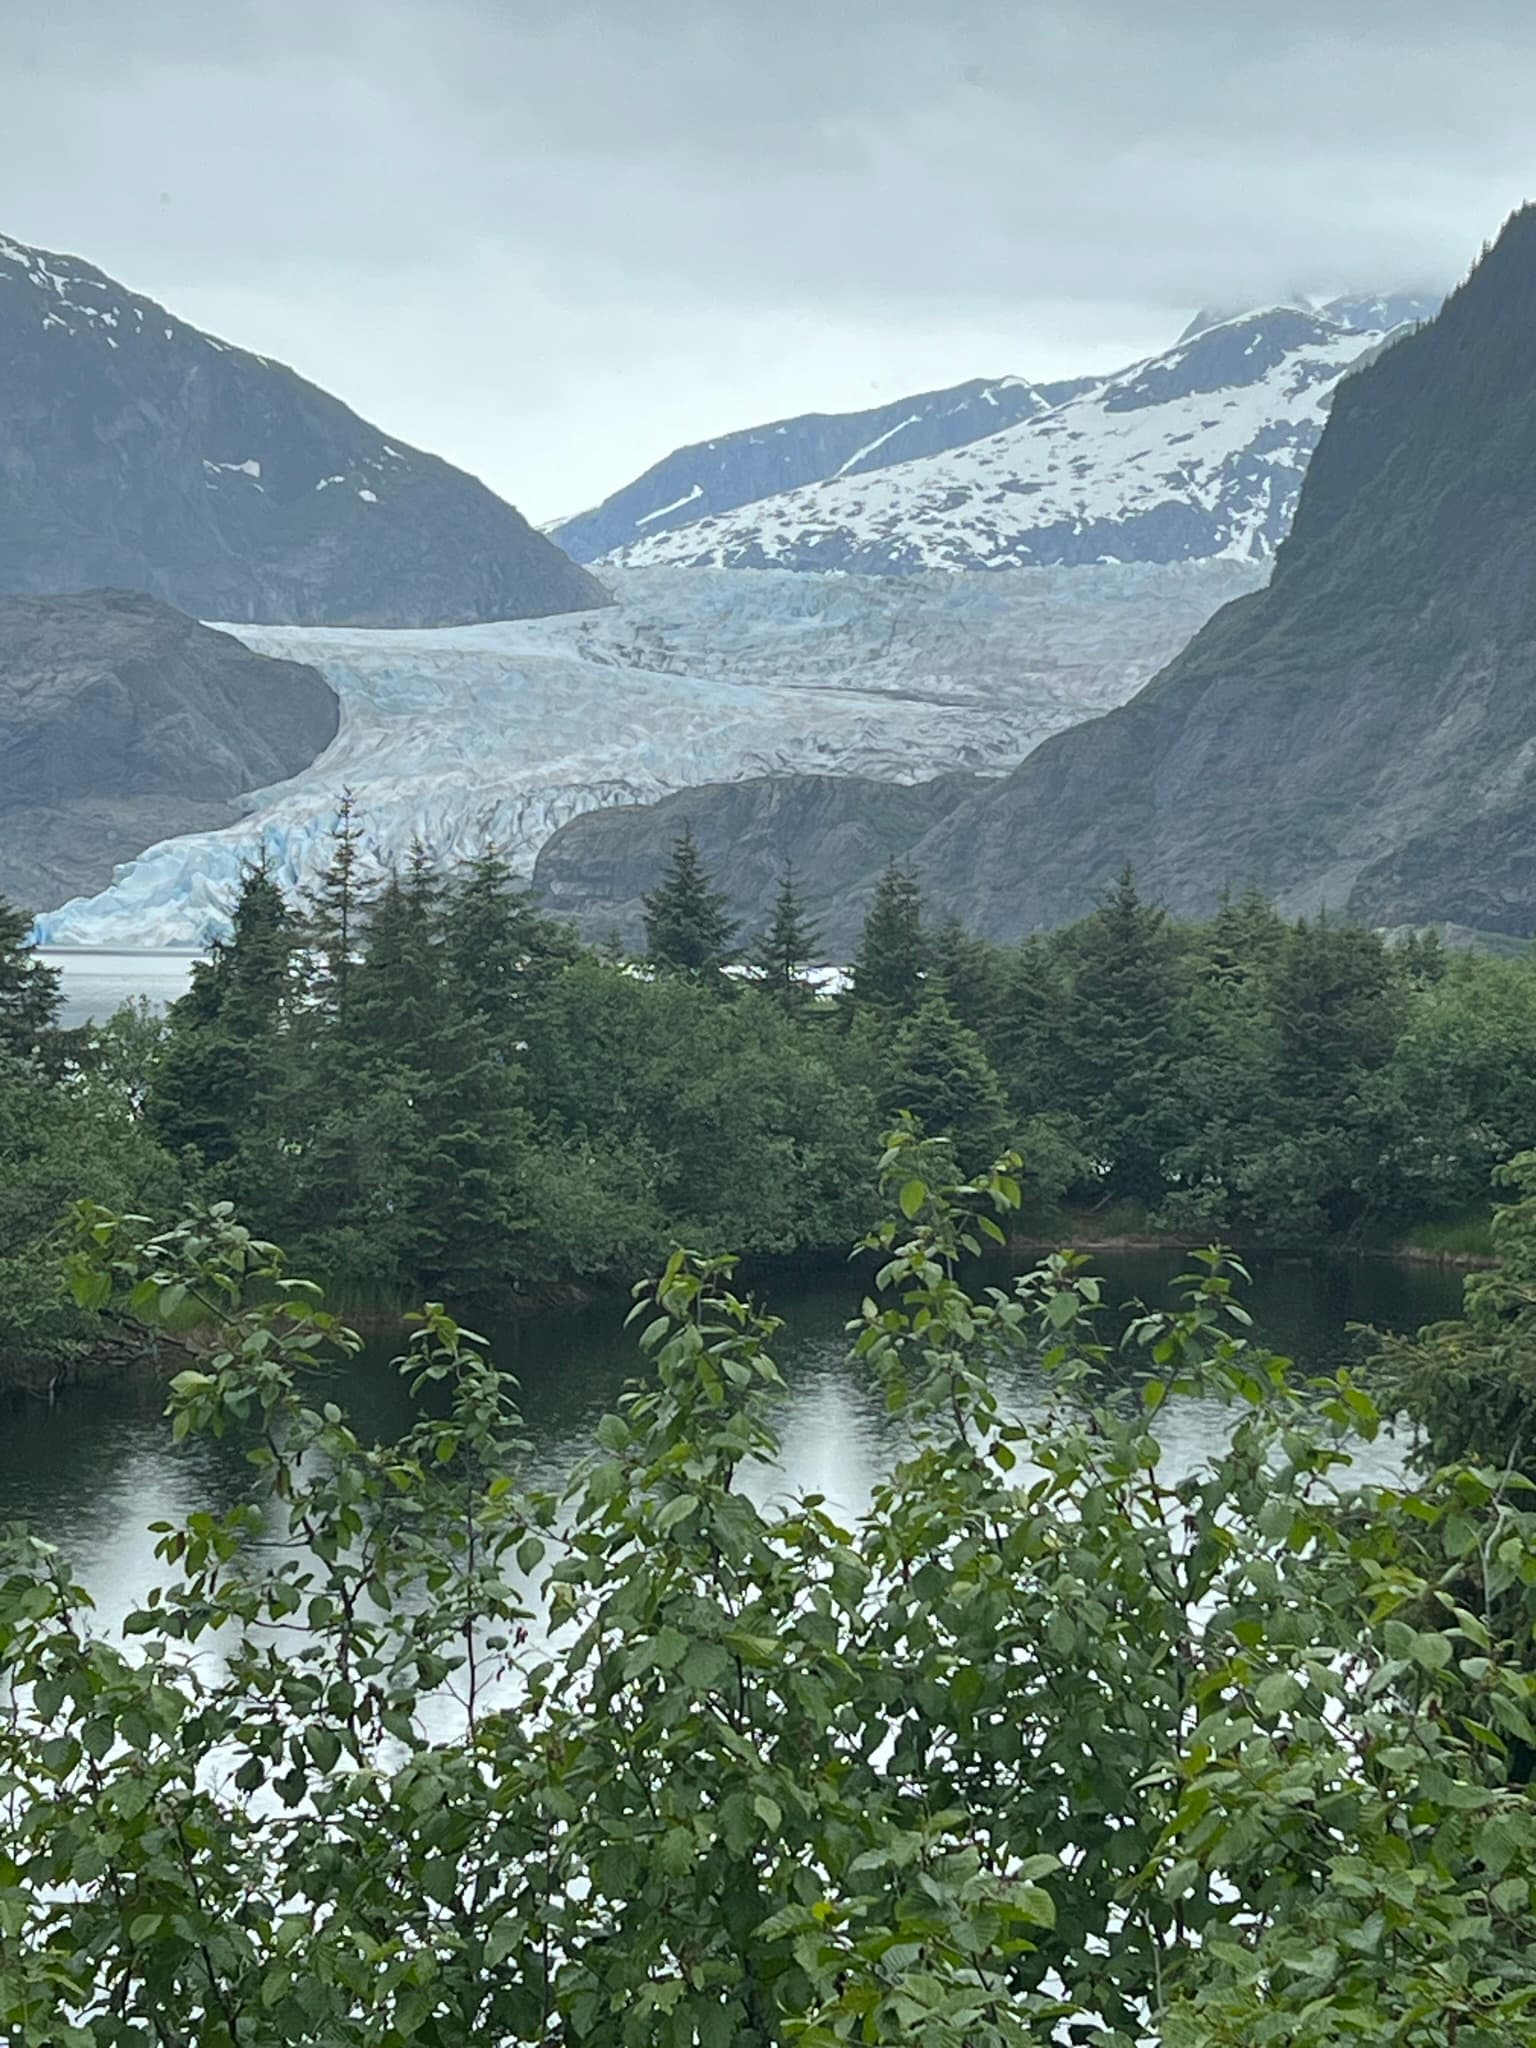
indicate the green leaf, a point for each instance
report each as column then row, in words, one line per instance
column 1278, row 1693
column 612, row 1432
column 323, row 1745
column 677, row 1511
column 768, row 1812
column 912, row 1198
column 91, row 1288
column 1032, row 1903
column 184, row 1385
column 1433, row 1652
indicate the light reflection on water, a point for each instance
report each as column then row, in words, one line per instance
column 92, row 1472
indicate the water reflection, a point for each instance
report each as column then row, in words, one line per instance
column 91, row 1472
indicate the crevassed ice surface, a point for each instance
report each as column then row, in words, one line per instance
column 472, row 735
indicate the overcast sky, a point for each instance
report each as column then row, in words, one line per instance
column 554, row 240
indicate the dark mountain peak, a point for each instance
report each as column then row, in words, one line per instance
column 137, row 451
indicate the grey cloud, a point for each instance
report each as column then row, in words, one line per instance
column 554, row 239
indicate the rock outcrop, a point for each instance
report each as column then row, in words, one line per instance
column 122, row 721
column 596, row 871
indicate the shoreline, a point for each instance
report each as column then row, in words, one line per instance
column 1150, row 1241
column 93, row 1368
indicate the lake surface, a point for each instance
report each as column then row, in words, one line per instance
column 97, row 983
column 91, row 1472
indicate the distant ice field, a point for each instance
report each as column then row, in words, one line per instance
column 472, row 735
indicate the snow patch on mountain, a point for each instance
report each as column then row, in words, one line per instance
column 714, row 477
column 140, row 454
column 1195, row 454
column 472, row 735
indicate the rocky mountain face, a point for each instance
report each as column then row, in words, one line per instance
column 122, row 721
column 1193, row 454
column 987, row 475
column 137, row 452
column 597, row 872
column 715, row 477
column 1359, row 735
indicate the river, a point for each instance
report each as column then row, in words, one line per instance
column 94, row 1470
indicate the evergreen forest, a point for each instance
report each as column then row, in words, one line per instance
column 426, row 1086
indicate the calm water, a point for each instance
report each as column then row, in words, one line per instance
column 97, row 983
column 93, row 1471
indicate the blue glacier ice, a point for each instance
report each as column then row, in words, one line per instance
column 470, row 735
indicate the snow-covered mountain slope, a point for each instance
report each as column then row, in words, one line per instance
column 1193, row 454
column 137, row 453
column 500, row 733
column 714, row 477
column 1362, row 312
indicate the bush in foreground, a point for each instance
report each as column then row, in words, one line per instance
column 1049, row 1742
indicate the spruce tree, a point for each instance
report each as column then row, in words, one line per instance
column 1244, row 941
column 1340, row 1004
column 499, row 948
column 1026, row 1041
column 968, row 972
column 458, row 1138
column 787, row 947
column 399, row 992
column 1120, row 1039
column 223, row 1050
column 337, row 909
column 29, row 990
column 1424, row 958
column 938, row 1071
column 893, row 951
column 687, row 930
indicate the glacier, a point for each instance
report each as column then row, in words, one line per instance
column 466, row 736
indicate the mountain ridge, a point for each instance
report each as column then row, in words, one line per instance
column 721, row 474
column 651, row 518
column 137, row 452
column 1195, row 453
